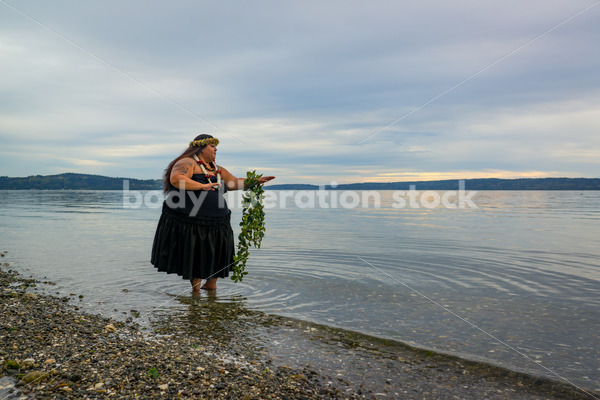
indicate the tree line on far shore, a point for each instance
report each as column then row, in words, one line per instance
column 73, row 181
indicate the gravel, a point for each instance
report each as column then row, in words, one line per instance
column 51, row 350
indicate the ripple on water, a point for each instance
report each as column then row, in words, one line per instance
column 523, row 267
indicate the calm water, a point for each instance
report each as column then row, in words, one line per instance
column 514, row 282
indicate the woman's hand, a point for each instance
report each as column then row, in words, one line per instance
column 265, row 179
column 210, row 186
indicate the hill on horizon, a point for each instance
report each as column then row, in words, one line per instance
column 75, row 181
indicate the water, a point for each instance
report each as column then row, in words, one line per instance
column 514, row 282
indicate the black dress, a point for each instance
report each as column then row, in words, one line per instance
column 194, row 238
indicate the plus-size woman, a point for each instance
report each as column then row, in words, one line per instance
column 194, row 238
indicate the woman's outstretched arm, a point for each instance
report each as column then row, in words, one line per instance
column 235, row 183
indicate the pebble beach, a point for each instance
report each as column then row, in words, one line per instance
column 50, row 349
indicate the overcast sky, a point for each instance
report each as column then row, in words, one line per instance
column 310, row 91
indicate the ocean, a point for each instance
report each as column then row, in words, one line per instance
column 511, row 278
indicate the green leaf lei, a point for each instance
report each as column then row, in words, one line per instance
column 253, row 224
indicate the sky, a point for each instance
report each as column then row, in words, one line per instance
column 311, row 92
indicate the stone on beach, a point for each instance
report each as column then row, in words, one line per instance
column 78, row 356
column 34, row 376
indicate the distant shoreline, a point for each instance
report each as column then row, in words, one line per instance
column 74, row 181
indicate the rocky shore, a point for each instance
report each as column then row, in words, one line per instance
column 51, row 350
column 54, row 352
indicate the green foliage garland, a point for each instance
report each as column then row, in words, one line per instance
column 253, row 224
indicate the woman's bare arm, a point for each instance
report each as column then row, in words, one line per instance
column 181, row 176
column 234, row 183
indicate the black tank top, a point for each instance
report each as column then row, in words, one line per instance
column 199, row 202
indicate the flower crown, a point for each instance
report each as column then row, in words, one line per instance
column 204, row 142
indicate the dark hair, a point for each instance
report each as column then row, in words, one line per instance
column 189, row 152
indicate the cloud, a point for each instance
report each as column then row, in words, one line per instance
column 295, row 87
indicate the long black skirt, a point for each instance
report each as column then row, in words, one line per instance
column 193, row 247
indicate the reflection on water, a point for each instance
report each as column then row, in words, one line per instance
column 523, row 267
column 224, row 327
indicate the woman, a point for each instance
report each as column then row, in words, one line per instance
column 194, row 238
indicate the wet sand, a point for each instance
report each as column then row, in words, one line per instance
column 52, row 350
